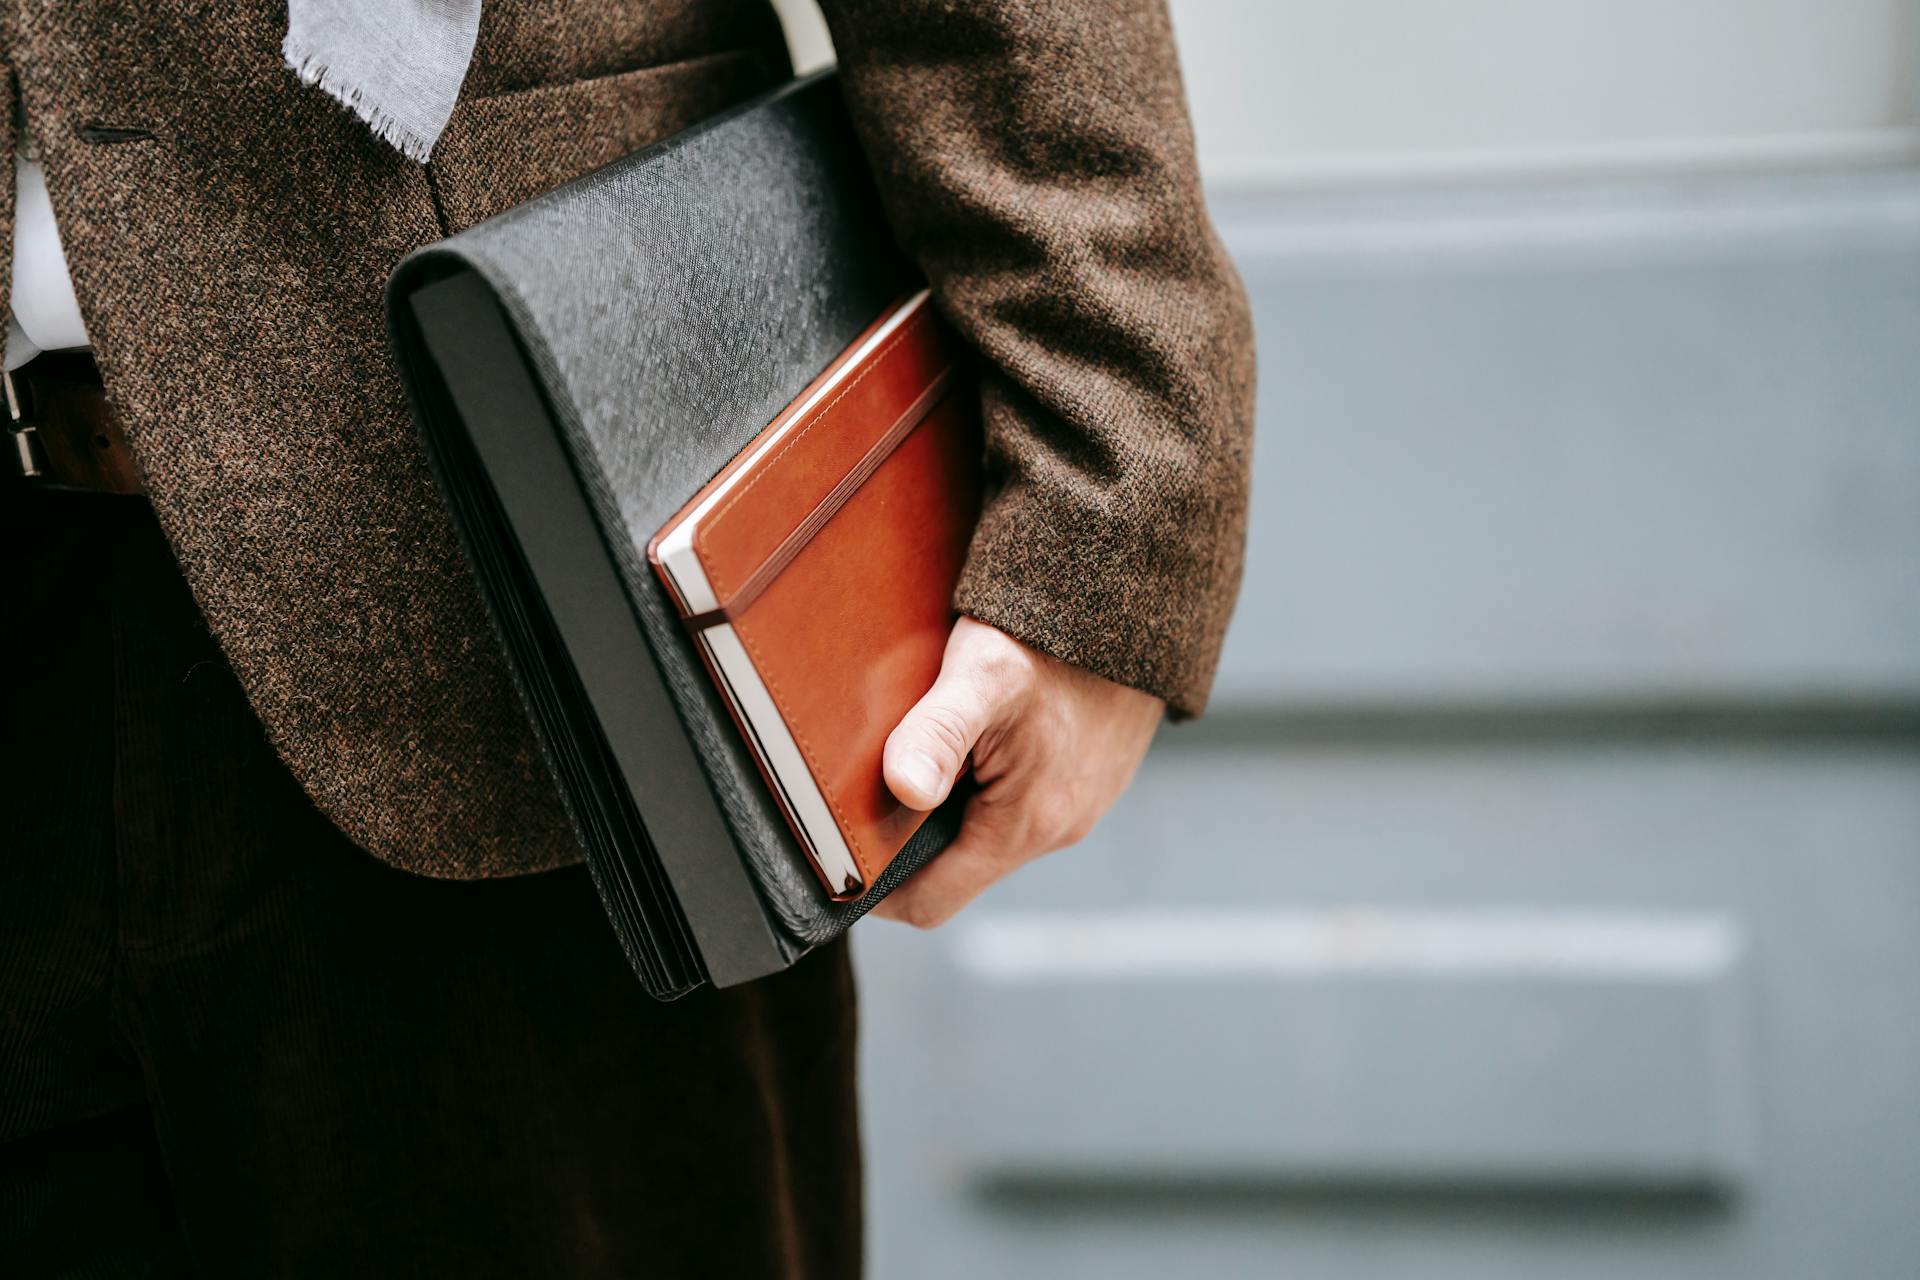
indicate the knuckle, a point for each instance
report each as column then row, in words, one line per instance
column 1054, row 820
column 1074, row 815
column 1080, row 828
column 1055, row 724
column 919, row 915
column 946, row 730
column 1010, row 668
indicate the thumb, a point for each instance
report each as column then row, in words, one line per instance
column 927, row 750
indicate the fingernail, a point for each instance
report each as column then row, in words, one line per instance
column 921, row 773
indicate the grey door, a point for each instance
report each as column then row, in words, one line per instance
column 1542, row 895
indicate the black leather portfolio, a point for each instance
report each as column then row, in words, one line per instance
column 580, row 366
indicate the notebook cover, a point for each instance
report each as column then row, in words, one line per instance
column 666, row 308
column 835, row 555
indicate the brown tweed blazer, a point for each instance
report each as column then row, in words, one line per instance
column 229, row 231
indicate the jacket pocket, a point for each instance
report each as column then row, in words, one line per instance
column 504, row 148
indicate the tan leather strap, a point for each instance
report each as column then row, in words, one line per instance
column 64, row 433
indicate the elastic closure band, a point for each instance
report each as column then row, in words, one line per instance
column 823, row 511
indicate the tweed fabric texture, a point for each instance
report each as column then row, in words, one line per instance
column 229, row 253
column 1036, row 161
column 230, row 264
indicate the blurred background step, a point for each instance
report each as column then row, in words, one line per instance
column 1584, row 578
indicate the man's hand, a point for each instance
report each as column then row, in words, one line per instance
column 1052, row 748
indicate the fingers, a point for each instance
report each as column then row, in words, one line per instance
column 981, row 854
column 927, row 750
column 1051, row 746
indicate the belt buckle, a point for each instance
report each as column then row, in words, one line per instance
column 26, row 458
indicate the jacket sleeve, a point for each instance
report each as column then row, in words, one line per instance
column 1035, row 159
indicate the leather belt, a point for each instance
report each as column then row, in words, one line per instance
column 63, row 434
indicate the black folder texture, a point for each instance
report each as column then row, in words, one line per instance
column 580, row 366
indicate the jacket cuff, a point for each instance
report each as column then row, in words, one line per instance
column 1132, row 578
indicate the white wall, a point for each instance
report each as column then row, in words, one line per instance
column 1286, row 90
column 1311, row 91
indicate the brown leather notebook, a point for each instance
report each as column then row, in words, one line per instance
column 817, row 570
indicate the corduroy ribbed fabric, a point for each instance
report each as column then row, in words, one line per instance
column 229, row 231
column 231, row 1045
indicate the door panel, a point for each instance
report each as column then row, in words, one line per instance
column 1541, row 895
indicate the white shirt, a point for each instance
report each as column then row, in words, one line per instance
column 46, row 315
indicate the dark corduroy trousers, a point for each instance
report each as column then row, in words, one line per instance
column 232, row 1044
